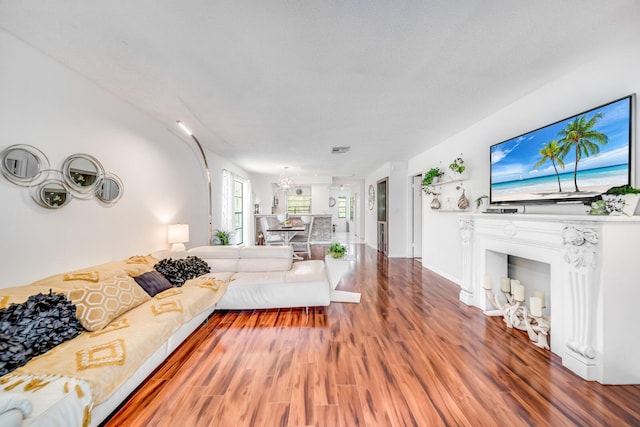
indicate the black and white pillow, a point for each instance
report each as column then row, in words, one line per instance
column 34, row 327
column 178, row 271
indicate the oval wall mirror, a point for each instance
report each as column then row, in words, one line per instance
column 23, row 164
column 109, row 189
column 52, row 194
column 82, row 173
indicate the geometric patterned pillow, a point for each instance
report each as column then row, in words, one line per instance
column 98, row 304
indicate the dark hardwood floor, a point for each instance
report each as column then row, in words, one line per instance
column 410, row 354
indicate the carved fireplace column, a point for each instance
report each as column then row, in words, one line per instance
column 580, row 245
column 468, row 271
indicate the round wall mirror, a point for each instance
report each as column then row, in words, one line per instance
column 82, row 173
column 23, row 164
column 110, row 189
column 52, row 194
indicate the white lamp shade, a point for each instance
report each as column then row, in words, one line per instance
column 178, row 233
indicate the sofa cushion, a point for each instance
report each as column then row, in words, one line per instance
column 99, row 303
column 257, row 278
column 218, row 265
column 264, row 264
column 219, row 258
column 307, row 271
column 284, row 252
column 35, row 327
column 153, row 282
column 218, row 252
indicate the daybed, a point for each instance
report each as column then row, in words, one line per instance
column 81, row 381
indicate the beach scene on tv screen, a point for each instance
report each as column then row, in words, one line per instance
column 579, row 157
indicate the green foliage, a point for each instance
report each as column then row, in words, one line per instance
column 580, row 135
column 551, row 151
column 457, row 165
column 336, row 250
column 598, row 208
column 428, row 178
column 222, row 238
column 622, row 190
column 479, row 200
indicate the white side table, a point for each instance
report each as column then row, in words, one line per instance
column 336, row 268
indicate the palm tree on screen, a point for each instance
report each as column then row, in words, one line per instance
column 551, row 151
column 586, row 141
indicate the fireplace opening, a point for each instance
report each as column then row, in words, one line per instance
column 534, row 275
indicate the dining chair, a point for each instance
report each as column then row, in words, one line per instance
column 270, row 239
column 301, row 243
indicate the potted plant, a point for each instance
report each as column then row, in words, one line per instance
column 336, row 250
column 222, row 238
column 622, row 199
column 457, row 166
column 429, row 178
column 482, row 202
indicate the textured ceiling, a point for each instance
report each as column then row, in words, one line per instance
column 269, row 84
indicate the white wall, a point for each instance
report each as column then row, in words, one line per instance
column 46, row 105
column 610, row 76
column 398, row 214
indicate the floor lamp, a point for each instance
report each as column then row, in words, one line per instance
column 206, row 169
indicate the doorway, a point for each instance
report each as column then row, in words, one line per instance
column 416, row 217
column 383, row 229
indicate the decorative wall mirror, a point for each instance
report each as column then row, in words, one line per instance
column 109, row 189
column 23, row 165
column 82, row 176
column 82, row 173
column 51, row 194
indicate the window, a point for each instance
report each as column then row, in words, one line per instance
column 342, row 207
column 299, row 204
column 235, row 206
column 238, row 212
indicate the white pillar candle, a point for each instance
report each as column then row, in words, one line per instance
column 535, row 305
column 517, row 290
column 505, row 284
column 487, row 282
column 540, row 294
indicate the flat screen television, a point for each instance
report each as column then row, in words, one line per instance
column 572, row 160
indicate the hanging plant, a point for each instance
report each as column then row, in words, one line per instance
column 457, row 166
column 429, row 178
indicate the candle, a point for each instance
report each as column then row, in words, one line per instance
column 487, row 282
column 540, row 294
column 535, row 304
column 517, row 290
column 505, row 284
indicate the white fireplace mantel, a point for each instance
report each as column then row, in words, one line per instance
column 595, row 282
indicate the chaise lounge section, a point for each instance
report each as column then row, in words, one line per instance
column 265, row 277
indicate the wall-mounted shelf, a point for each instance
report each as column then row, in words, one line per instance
column 448, row 182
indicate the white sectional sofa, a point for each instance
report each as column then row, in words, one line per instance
column 260, row 277
column 264, row 277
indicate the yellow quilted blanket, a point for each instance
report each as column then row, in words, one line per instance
column 107, row 358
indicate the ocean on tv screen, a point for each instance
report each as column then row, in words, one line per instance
column 576, row 158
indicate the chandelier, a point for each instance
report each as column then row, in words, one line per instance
column 285, row 183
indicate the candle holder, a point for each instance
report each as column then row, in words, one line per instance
column 538, row 330
column 516, row 315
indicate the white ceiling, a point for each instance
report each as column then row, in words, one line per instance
column 273, row 83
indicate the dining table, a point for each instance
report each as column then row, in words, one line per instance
column 287, row 231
